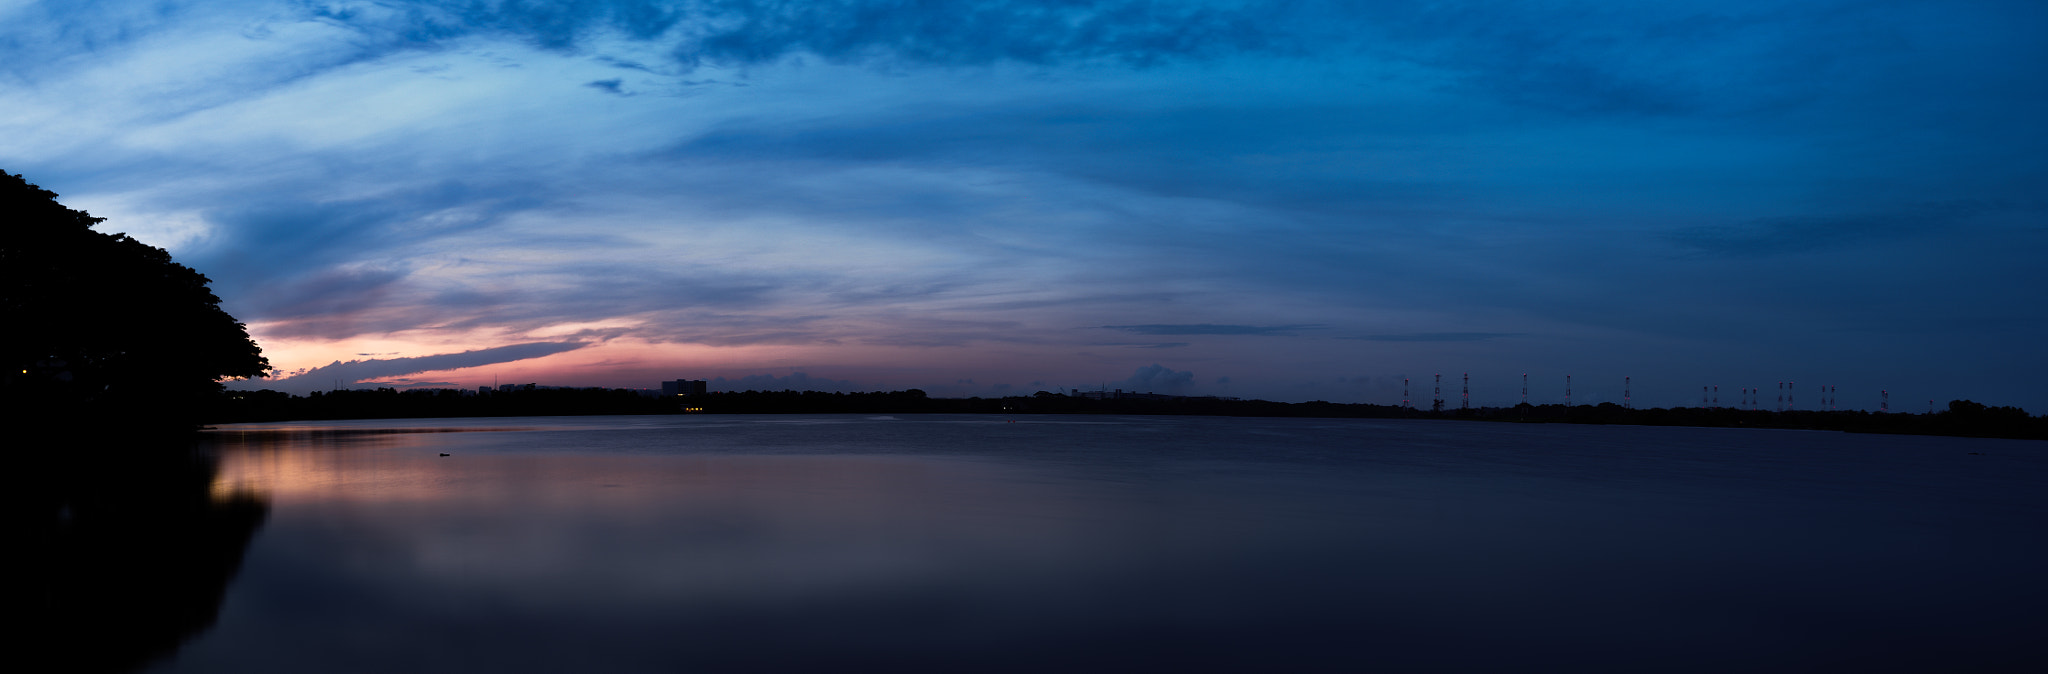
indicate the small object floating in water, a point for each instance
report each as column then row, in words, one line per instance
column 444, row 455
column 1976, row 453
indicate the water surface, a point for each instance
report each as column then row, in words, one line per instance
column 1034, row 543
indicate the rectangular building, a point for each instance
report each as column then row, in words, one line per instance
column 683, row 387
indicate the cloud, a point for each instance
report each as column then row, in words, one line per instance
column 325, row 293
column 302, row 255
column 859, row 185
column 1156, row 378
column 1211, row 329
column 968, row 32
column 1440, row 336
column 747, row 32
column 351, row 372
column 1581, row 59
column 410, row 383
column 1775, row 236
column 794, row 381
column 560, row 26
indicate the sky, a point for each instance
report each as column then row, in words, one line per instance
column 1282, row 199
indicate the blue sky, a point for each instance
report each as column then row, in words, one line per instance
column 1292, row 200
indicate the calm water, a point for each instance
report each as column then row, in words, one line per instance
column 955, row 543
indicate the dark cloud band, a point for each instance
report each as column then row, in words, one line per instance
column 1440, row 336
column 1210, row 329
column 346, row 373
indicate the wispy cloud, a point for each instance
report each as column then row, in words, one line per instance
column 729, row 32
column 921, row 192
column 351, row 372
column 1784, row 235
column 794, row 381
column 1212, row 329
column 1440, row 336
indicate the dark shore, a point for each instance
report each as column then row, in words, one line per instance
column 1961, row 418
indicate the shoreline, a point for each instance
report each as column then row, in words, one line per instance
column 1962, row 419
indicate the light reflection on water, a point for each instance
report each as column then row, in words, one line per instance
column 959, row 542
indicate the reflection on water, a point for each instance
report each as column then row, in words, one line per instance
column 127, row 548
column 952, row 543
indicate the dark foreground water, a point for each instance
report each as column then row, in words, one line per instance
column 962, row 543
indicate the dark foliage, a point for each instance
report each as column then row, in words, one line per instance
column 1963, row 417
column 104, row 330
column 387, row 403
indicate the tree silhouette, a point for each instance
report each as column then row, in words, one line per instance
column 104, row 329
column 126, row 559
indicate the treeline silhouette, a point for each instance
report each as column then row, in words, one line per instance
column 387, row 403
column 104, row 331
column 1962, row 418
column 110, row 356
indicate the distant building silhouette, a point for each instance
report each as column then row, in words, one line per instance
column 684, row 387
